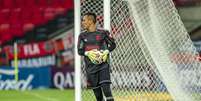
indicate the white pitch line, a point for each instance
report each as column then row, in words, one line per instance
column 40, row 97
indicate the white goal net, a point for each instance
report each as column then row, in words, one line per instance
column 155, row 60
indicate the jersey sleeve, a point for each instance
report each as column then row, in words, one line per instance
column 80, row 46
column 110, row 41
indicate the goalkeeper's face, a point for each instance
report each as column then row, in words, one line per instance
column 86, row 22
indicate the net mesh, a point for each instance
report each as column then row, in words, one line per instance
column 95, row 6
column 155, row 59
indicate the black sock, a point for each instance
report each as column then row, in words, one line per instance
column 98, row 94
column 107, row 92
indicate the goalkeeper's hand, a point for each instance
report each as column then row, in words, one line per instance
column 104, row 55
column 94, row 56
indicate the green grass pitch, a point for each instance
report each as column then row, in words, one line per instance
column 67, row 95
column 38, row 95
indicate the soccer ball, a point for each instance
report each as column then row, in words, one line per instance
column 98, row 57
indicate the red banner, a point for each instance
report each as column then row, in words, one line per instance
column 40, row 49
column 31, row 50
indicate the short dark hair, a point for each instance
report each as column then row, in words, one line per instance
column 93, row 15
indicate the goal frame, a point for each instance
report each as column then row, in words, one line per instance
column 106, row 25
column 77, row 29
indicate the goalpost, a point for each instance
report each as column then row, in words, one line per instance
column 155, row 60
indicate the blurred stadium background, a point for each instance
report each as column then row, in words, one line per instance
column 190, row 13
column 43, row 31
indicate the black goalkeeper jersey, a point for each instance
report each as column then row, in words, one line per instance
column 99, row 40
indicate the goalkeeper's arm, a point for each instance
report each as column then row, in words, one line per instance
column 80, row 46
column 110, row 42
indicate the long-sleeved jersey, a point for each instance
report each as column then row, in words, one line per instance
column 99, row 40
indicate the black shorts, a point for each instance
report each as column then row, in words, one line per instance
column 96, row 79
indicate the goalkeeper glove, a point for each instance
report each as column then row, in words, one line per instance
column 105, row 55
column 94, row 56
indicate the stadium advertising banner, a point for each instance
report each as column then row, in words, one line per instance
column 68, row 40
column 29, row 78
column 31, row 50
column 43, row 48
column 36, row 62
column 147, row 79
column 137, row 80
column 63, row 77
column 190, row 76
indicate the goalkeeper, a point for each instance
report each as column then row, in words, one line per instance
column 95, row 45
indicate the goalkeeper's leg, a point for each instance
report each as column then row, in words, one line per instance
column 98, row 94
column 107, row 92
